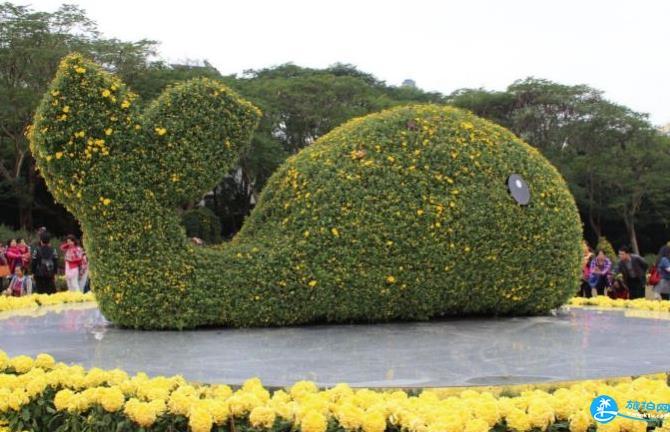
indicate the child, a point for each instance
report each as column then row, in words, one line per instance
column 20, row 285
column 618, row 290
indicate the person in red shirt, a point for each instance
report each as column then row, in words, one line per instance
column 13, row 255
column 73, row 261
column 618, row 290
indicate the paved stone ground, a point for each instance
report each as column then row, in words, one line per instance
column 574, row 344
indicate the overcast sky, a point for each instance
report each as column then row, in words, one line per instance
column 620, row 47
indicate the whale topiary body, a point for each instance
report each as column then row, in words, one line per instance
column 403, row 214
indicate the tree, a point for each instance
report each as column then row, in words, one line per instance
column 641, row 175
column 150, row 81
column 493, row 105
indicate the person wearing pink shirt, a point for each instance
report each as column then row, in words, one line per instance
column 73, row 261
column 13, row 255
column 25, row 253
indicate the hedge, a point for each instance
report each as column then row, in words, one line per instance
column 39, row 395
column 404, row 214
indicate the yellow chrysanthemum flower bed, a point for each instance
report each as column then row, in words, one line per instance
column 608, row 303
column 37, row 300
column 39, row 394
column 63, row 298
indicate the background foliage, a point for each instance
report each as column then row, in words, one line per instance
column 203, row 223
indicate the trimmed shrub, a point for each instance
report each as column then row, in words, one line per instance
column 201, row 222
column 606, row 246
column 403, row 214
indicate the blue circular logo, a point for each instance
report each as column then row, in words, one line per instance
column 604, row 409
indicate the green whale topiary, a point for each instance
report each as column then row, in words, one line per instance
column 404, row 214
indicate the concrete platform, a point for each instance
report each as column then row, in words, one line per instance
column 574, row 344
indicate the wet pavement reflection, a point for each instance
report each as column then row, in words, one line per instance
column 574, row 344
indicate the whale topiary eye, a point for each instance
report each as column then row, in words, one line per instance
column 518, row 188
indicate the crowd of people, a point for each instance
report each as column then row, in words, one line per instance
column 628, row 278
column 26, row 269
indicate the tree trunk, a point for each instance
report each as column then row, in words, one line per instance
column 633, row 239
column 26, row 217
column 632, row 236
column 595, row 226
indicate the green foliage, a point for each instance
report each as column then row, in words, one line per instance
column 386, row 217
column 7, row 233
column 201, row 222
column 150, row 81
column 61, row 283
column 606, row 246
